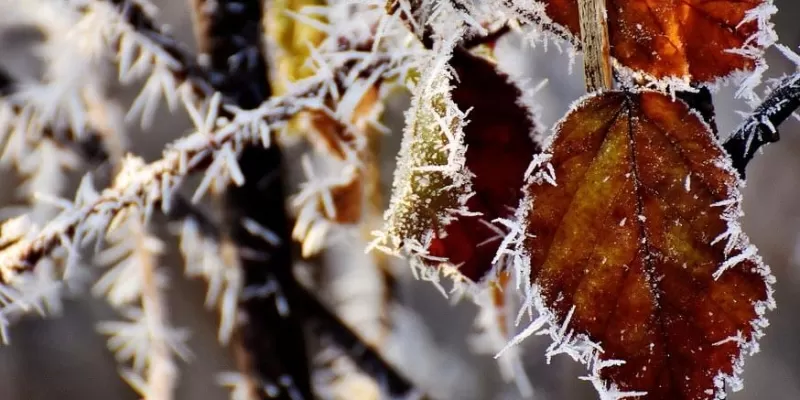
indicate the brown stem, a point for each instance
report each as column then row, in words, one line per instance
column 596, row 51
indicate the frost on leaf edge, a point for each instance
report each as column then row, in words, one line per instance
column 754, row 48
column 580, row 347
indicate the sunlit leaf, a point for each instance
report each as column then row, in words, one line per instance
column 499, row 149
column 674, row 38
column 638, row 233
column 455, row 181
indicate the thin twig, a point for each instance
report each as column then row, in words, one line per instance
column 761, row 127
column 162, row 373
column 87, row 144
column 189, row 70
column 229, row 39
column 145, row 185
column 596, row 53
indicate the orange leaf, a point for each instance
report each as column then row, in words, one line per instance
column 672, row 38
column 638, row 238
column 499, row 149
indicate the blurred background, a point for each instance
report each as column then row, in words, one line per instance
column 64, row 358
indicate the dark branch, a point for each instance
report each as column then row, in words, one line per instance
column 322, row 320
column 367, row 358
column 229, row 39
column 761, row 127
column 6, row 83
column 701, row 102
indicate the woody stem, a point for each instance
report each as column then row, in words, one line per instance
column 594, row 39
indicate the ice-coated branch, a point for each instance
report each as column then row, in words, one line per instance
column 761, row 127
column 41, row 150
column 147, row 185
column 134, row 285
column 162, row 373
column 131, row 278
column 88, row 146
column 142, row 49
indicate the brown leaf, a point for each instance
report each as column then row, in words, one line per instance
column 672, row 38
column 642, row 214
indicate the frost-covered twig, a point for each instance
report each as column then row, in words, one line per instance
column 761, row 127
column 146, row 185
column 141, row 49
column 200, row 245
column 134, row 23
column 87, row 144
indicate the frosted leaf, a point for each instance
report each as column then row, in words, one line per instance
column 655, row 43
column 676, row 270
column 431, row 162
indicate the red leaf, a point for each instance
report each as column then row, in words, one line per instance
column 640, row 221
column 672, row 38
column 499, row 149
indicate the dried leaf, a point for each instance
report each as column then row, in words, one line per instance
column 639, row 235
column 329, row 203
column 499, row 149
column 673, row 38
column 495, row 149
column 330, row 136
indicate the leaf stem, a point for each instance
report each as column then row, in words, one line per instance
column 596, row 50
